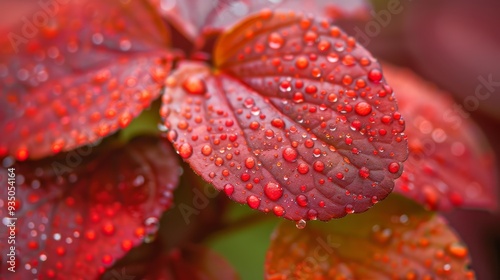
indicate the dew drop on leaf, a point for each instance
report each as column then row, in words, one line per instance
column 275, row 40
column 253, row 202
column 278, row 210
column 301, row 224
column 394, row 167
column 185, row 150
column 194, row 85
column 375, row 75
column 363, row 108
column 290, row 154
column 273, row 191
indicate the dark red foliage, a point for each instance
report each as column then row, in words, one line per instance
column 87, row 72
column 191, row 263
column 449, row 165
column 195, row 17
column 76, row 219
column 298, row 122
column 455, row 43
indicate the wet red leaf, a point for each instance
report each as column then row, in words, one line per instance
column 450, row 162
column 85, row 71
column 193, row 262
column 78, row 223
column 192, row 17
column 299, row 120
column 395, row 240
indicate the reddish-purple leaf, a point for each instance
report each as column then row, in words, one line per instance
column 192, row 17
column 75, row 225
column 395, row 240
column 303, row 125
column 456, row 43
column 83, row 73
column 450, row 163
column 193, row 262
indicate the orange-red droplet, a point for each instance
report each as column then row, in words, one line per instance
column 301, row 62
column 194, row 85
column 363, row 108
column 185, row 150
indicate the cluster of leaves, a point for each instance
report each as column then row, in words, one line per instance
column 281, row 111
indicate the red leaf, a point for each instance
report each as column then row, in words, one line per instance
column 450, row 162
column 90, row 69
column 190, row 263
column 456, row 44
column 192, row 17
column 302, row 143
column 395, row 240
column 74, row 226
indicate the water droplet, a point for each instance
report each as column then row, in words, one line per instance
column 33, row 245
column 107, row 259
column 60, row 251
column 245, row 177
column 348, row 60
column 249, row 163
column 22, row 154
column 363, row 108
column 303, row 168
column 457, row 250
column 316, row 72
column 301, row 224
column 126, row 245
column 219, row 161
column 332, row 57
column 151, row 222
column 229, row 189
column 298, row 97
column 349, row 209
column 285, row 86
column 324, row 45
column 254, row 125
column 253, row 202
column 90, row 235
column 278, row 210
column 273, row 191
column 194, row 85
column 394, row 167
column 278, row 123
column 312, row 214
column 375, row 75
column 302, row 62
column 185, row 150
column 301, row 200
column 108, row 229
column 248, row 103
column 290, row 154
column 275, row 40
column 364, row 172
column 318, row 166
column 269, row 134
column 206, row 150
column 310, row 37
